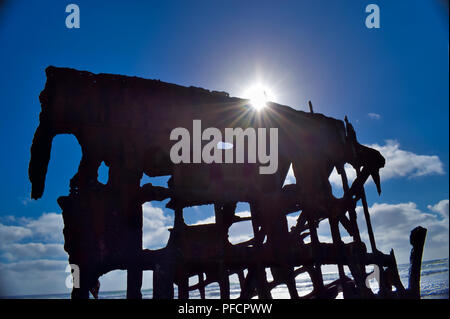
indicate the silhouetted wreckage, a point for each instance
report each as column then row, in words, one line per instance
column 125, row 122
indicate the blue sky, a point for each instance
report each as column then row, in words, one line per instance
column 392, row 82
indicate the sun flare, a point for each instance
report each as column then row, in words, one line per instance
column 259, row 95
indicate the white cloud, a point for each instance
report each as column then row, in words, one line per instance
column 31, row 251
column 392, row 224
column 399, row 164
column 374, row 116
column 241, row 231
column 441, row 208
column 13, row 233
column 34, row 260
column 33, row 277
column 155, row 226
column 207, row 220
column 34, row 256
column 114, row 281
column 33, row 238
column 49, row 227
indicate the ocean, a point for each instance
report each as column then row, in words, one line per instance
column 434, row 285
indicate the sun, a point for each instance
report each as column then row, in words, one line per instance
column 258, row 95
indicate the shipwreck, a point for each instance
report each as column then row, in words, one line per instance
column 125, row 122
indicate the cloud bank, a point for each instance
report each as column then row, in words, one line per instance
column 33, row 260
column 399, row 164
